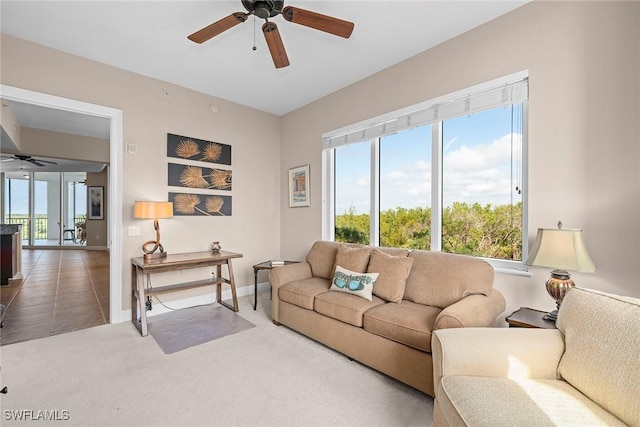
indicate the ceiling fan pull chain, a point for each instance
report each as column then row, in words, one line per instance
column 254, row 34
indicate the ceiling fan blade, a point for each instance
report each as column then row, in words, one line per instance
column 276, row 47
column 35, row 162
column 318, row 21
column 218, row 27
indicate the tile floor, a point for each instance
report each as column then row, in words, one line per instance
column 61, row 291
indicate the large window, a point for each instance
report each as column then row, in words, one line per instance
column 446, row 176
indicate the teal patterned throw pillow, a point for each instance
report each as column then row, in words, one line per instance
column 351, row 282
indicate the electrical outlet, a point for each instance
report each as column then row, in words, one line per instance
column 133, row 231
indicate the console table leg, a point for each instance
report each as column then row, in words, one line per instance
column 233, row 286
column 255, row 289
column 138, row 302
column 232, row 283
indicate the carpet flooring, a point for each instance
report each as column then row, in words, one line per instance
column 263, row 376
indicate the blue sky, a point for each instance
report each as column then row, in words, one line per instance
column 477, row 164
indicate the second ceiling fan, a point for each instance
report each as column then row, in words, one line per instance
column 269, row 9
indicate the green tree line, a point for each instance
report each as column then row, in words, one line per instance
column 472, row 229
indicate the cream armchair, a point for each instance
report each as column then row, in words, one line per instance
column 585, row 373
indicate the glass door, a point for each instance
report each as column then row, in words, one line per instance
column 48, row 228
column 74, row 208
column 56, row 211
column 16, row 202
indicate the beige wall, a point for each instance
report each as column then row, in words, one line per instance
column 63, row 145
column 148, row 115
column 584, row 155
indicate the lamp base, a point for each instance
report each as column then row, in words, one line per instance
column 155, row 255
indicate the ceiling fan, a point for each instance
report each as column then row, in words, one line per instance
column 269, row 9
column 25, row 158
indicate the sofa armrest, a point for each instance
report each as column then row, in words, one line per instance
column 472, row 311
column 280, row 275
column 496, row 352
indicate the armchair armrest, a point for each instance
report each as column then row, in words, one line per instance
column 472, row 311
column 278, row 276
column 496, row 352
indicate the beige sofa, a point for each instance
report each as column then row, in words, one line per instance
column 415, row 293
column 585, row 373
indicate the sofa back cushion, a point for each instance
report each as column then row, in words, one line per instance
column 602, row 356
column 440, row 279
column 322, row 257
column 393, row 272
column 353, row 258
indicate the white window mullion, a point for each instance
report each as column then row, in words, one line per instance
column 525, row 178
column 328, row 195
column 374, row 226
column 436, row 186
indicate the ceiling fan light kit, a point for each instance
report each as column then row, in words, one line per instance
column 269, row 9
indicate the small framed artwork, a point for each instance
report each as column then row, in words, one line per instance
column 299, row 187
column 95, row 198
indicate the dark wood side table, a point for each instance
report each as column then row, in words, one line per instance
column 529, row 318
column 266, row 265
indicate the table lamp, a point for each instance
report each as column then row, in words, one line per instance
column 561, row 249
column 155, row 211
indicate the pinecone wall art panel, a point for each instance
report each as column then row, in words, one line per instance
column 184, row 147
column 193, row 176
column 187, row 204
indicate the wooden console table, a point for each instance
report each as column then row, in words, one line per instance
column 141, row 267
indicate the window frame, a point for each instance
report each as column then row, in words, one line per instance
column 328, row 182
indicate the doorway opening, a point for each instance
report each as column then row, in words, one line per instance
column 114, row 195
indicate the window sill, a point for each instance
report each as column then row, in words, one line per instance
column 512, row 271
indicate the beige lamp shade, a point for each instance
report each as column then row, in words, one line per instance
column 562, row 249
column 152, row 210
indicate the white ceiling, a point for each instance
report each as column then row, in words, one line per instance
column 150, row 38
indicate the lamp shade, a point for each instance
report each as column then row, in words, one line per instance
column 152, row 210
column 560, row 248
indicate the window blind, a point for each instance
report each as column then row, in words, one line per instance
column 428, row 113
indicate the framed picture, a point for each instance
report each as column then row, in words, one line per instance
column 95, row 199
column 299, row 187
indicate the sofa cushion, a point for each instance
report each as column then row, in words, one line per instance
column 441, row 279
column 344, row 307
column 322, row 258
column 354, row 259
column 302, row 292
column 354, row 283
column 393, row 251
column 487, row 401
column 393, row 272
column 602, row 341
column 407, row 323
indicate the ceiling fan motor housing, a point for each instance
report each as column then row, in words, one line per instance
column 263, row 9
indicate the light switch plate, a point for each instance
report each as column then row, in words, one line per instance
column 132, row 149
column 133, row 231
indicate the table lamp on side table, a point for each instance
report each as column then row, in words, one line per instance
column 155, row 211
column 562, row 250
